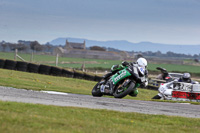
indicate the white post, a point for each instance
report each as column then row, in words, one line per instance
column 83, row 66
column 57, row 60
column 15, row 58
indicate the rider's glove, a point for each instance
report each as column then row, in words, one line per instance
column 125, row 63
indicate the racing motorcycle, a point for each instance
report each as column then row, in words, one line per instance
column 165, row 89
column 165, row 75
column 119, row 83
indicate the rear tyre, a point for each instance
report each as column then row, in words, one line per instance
column 156, row 97
column 120, row 92
column 96, row 91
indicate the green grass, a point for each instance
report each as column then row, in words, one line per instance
column 38, row 82
column 176, row 68
column 106, row 64
column 33, row 81
column 21, row 117
column 100, row 64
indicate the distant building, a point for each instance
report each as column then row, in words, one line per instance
column 74, row 45
column 24, row 42
column 78, row 50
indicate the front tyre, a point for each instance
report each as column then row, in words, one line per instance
column 96, row 91
column 121, row 92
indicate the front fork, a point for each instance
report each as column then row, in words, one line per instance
column 106, row 87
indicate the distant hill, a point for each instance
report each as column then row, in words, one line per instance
column 129, row 46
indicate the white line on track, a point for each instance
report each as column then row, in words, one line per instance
column 55, row 92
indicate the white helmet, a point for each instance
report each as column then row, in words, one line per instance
column 142, row 62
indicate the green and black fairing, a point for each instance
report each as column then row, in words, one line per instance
column 123, row 74
column 121, row 81
column 114, row 69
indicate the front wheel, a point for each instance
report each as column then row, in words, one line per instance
column 96, row 91
column 121, row 92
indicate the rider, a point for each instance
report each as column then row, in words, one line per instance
column 139, row 71
column 186, row 78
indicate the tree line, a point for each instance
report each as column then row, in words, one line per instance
column 29, row 46
column 26, row 46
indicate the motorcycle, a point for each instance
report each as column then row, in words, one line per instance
column 165, row 89
column 119, row 83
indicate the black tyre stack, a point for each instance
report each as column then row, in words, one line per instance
column 89, row 77
column 2, row 62
column 33, row 68
column 78, row 75
column 67, row 73
column 21, row 66
column 56, row 71
column 44, row 69
column 10, row 64
column 97, row 78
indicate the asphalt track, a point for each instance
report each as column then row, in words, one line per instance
column 87, row 101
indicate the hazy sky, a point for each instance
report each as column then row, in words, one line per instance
column 159, row 21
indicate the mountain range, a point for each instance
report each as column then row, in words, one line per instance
column 136, row 47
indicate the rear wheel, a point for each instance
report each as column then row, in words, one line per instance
column 156, row 97
column 121, row 92
column 96, row 91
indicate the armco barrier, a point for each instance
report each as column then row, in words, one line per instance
column 2, row 62
column 10, row 64
column 21, row 66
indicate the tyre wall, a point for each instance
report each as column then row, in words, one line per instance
column 10, row 64
column 21, row 66
column 2, row 62
column 46, row 69
column 33, row 68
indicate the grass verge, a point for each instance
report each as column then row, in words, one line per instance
column 33, row 81
column 22, row 117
